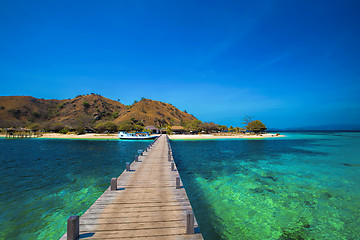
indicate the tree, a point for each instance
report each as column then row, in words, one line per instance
column 56, row 127
column 65, row 130
column 106, row 126
column 138, row 128
column 256, row 126
column 168, row 130
column 126, row 126
column 111, row 127
column 193, row 126
column 214, row 127
column 100, row 127
column 231, row 129
column 80, row 129
column 248, row 119
column 209, row 127
column 223, row 128
column 83, row 122
column 35, row 127
column 238, row 129
column 129, row 126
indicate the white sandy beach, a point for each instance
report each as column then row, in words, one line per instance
column 174, row 137
column 83, row 136
column 223, row 136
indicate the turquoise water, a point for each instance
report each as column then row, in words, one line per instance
column 44, row 181
column 303, row 186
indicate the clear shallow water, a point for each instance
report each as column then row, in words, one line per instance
column 304, row 186
column 44, row 181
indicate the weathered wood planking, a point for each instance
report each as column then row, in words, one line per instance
column 146, row 205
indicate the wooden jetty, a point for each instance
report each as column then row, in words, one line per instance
column 146, row 201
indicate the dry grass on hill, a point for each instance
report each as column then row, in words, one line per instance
column 88, row 109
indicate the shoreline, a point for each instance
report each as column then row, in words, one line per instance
column 225, row 136
column 95, row 136
column 82, row 136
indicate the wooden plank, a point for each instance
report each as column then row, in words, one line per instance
column 146, row 205
column 137, row 233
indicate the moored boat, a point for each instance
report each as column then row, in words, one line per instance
column 135, row 136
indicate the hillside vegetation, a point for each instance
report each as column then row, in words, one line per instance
column 92, row 112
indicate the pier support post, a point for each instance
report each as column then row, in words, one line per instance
column 136, row 158
column 73, row 227
column 172, row 166
column 113, row 184
column 177, row 182
column 190, row 222
column 128, row 166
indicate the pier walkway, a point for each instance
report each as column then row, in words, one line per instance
column 146, row 205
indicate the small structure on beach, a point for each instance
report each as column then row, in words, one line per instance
column 153, row 129
column 178, row 129
column 20, row 133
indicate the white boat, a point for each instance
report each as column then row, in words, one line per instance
column 135, row 136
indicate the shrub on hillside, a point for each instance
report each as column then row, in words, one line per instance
column 106, row 126
column 34, row 127
column 86, row 104
column 56, row 127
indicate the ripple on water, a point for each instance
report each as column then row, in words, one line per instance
column 288, row 189
column 43, row 182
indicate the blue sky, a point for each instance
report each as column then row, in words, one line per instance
column 289, row 63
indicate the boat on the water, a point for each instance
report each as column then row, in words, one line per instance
column 135, row 136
